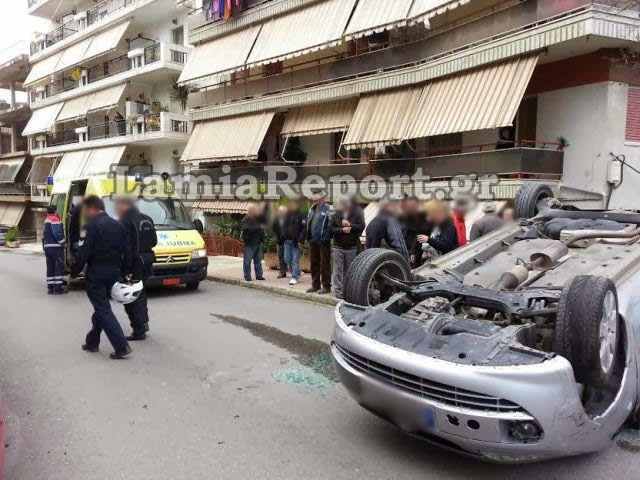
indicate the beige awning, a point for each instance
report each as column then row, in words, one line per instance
column 233, row 138
column 219, row 56
column 106, row 41
column 475, row 100
column 93, row 102
column 372, row 16
column 73, row 55
column 319, row 119
column 84, row 163
column 302, row 31
column 423, row 10
column 9, row 169
column 381, row 119
column 11, row 213
column 43, row 69
column 221, row 206
column 41, row 169
column 42, row 119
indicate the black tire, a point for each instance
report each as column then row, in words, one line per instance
column 362, row 273
column 582, row 309
column 527, row 198
column 193, row 285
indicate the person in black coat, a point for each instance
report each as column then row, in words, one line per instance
column 105, row 253
column 253, row 236
column 414, row 223
column 345, row 227
column 279, row 233
column 295, row 233
column 385, row 231
column 444, row 237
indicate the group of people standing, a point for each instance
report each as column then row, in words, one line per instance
column 108, row 252
column 334, row 233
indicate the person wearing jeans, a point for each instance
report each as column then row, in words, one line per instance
column 279, row 232
column 252, row 235
column 319, row 244
column 294, row 234
column 346, row 227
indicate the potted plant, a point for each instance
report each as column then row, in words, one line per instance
column 12, row 237
column 180, row 94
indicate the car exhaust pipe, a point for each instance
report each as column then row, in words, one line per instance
column 542, row 260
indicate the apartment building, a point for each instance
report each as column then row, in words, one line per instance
column 15, row 161
column 524, row 90
column 103, row 88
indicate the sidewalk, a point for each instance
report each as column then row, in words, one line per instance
column 229, row 270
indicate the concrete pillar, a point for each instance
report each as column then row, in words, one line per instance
column 12, row 93
column 14, row 138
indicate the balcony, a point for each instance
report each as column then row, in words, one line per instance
column 135, row 62
column 205, row 15
column 141, row 128
column 436, row 43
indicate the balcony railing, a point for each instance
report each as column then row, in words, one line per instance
column 123, row 63
column 434, row 44
column 31, row 3
column 205, row 14
column 94, row 14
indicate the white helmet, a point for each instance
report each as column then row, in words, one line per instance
column 126, row 292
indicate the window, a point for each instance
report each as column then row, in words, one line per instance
column 177, row 34
column 527, row 120
column 632, row 133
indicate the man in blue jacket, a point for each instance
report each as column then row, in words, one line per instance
column 319, row 238
column 105, row 253
column 53, row 244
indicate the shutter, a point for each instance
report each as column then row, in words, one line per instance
column 632, row 133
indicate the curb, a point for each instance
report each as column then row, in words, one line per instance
column 310, row 297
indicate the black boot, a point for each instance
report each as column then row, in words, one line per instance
column 136, row 337
column 90, row 348
column 121, row 355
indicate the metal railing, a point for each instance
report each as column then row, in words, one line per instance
column 179, row 126
column 94, row 14
column 31, row 3
column 108, row 69
column 178, row 57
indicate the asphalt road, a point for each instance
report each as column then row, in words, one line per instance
column 232, row 384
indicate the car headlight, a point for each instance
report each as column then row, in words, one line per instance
column 200, row 253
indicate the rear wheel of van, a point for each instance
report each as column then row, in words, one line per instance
column 528, row 198
column 193, row 285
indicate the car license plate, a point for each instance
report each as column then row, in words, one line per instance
column 171, row 281
column 429, row 417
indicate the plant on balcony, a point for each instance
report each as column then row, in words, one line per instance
column 153, row 123
column 180, row 94
column 294, row 152
column 563, row 143
column 75, row 75
column 12, row 237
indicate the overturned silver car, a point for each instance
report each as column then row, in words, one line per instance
column 521, row 346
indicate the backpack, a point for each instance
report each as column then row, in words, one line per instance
column 146, row 231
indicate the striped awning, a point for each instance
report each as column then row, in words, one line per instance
column 221, row 206
column 42, row 119
column 319, row 119
column 302, row 31
column 11, row 213
column 83, row 163
column 226, row 139
column 9, row 169
column 381, row 119
column 423, row 10
column 78, row 53
column 372, row 16
column 219, row 56
column 475, row 100
column 93, row 102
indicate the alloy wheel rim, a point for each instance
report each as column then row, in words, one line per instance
column 608, row 332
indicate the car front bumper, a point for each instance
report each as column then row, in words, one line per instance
column 178, row 274
column 399, row 386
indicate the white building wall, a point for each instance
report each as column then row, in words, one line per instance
column 592, row 118
column 163, row 159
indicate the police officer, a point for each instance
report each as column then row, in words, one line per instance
column 104, row 252
column 141, row 238
column 53, row 244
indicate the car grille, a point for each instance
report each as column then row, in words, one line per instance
column 425, row 388
column 172, row 259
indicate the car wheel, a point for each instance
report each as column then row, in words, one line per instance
column 528, row 197
column 193, row 285
column 365, row 280
column 587, row 328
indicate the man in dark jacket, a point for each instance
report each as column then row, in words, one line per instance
column 104, row 251
column 295, row 231
column 252, row 235
column 413, row 222
column 384, row 231
column 443, row 237
column 141, row 238
column 279, row 232
column 319, row 244
column 346, row 226
column 489, row 222
column 53, row 244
